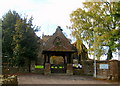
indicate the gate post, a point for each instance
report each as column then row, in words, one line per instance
column 69, row 65
column 114, row 69
column 47, row 69
column 69, row 69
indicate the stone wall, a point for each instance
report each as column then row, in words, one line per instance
column 114, row 70
column 110, row 73
column 119, row 70
column 102, row 73
column 78, row 71
column 87, row 67
column 12, row 70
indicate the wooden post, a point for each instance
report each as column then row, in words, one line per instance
column 44, row 58
column 64, row 59
column 48, row 58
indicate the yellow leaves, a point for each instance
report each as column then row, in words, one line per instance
column 114, row 32
column 104, row 36
column 102, row 25
column 17, row 46
column 91, row 49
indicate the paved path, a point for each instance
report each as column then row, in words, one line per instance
column 59, row 79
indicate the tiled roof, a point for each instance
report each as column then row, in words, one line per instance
column 58, row 42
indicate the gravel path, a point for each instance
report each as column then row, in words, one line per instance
column 59, row 79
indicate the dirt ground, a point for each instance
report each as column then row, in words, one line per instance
column 59, row 79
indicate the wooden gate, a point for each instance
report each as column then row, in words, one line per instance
column 58, row 68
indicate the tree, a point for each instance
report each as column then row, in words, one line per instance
column 95, row 26
column 25, row 42
column 19, row 39
column 8, row 28
column 117, row 10
column 82, row 52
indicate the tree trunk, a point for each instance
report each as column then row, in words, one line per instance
column 79, row 58
column 29, row 65
column 109, row 54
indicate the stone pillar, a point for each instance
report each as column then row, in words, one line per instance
column 69, row 69
column 32, row 66
column 47, row 69
column 114, row 69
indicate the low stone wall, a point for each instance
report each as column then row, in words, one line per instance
column 15, row 70
column 119, row 70
column 112, row 72
column 102, row 73
column 39, row 71
column 87, row 67
column 104, row 69
column 77, row 71
column 12, row 70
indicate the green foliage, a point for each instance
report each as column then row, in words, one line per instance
column 82, row 50
column 94, row 25
column 117, row 10
column 8, row 25
column 19, row 39
column 25, row 40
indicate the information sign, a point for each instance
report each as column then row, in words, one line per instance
column 104, row 66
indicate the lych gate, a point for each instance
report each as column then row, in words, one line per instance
column 58, row 68
column 58, row 47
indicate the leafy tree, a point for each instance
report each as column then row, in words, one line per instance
column 82, row 52
column 8, row 26
column 117, row 10
column 95, row 26
column 19, row 39
column 25, row 42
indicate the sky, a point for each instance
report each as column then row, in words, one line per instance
column 48, row 14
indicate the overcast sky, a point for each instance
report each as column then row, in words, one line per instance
column 46, row 13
